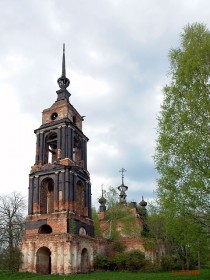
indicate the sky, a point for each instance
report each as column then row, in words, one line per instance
column 117, row 62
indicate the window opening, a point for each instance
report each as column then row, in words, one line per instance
column 47, row 196
column 51, row 148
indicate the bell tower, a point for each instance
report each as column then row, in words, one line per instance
column 59, row 234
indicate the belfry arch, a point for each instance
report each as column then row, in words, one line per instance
column 80, row 198
column 47, row 196
column 50, row 154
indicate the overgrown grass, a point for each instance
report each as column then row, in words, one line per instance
column 204, row 275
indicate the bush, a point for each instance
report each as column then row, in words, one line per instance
column 150, row 267
column 131, row 261
column 169, row 263
column 118, row 246
column 104, row 263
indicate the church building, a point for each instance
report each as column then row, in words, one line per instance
column 59, row 235
column 59, row 230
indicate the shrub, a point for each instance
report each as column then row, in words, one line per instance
column 132, row 260
column 104, row 263
column 118, row 246
column 168, row 263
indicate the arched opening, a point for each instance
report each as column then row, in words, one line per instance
column 43, row 261
column 77, row 149
column 84, row 261
column 45, row 229
column 82, row 231
column 80, row 198
column 50, row 148
column 47, row 196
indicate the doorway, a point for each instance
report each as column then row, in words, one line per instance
column 43, row 261
column 84, row 261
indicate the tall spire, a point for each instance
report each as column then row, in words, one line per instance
column 63, row 63
column 63, row 81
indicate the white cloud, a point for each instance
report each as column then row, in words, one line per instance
column 116, row 57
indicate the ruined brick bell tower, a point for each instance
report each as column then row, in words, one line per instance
column 59, row 235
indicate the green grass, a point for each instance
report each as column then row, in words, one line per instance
column 204, row 275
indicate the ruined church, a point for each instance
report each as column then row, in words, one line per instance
column 59, row 230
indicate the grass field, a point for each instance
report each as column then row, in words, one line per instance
column 203, row 275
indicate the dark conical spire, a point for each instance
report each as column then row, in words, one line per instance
column 63, row 63
column 63, row 81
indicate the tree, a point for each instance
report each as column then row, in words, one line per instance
column 11, row 229
column 182, row 156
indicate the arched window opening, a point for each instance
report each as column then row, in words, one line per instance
column 77, row 149
column 45, row 229
column 82, row 231
column 47, row 196
column 50, row 148
column 43, row 261
column 74, row 120
column 80, row 198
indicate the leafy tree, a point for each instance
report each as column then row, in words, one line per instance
column 182, row 155
column 97, row 228
column 112, row 197
column 11, row 229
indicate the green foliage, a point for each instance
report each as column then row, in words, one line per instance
column 120, row 215
column 144, row 217
column 72, row 226
column 128, row 261
column 169, row 263
column 183, row 149
column 97, row 228
column 111, row 196
column 118, row 246
column 10, row 259
column 104, row 263
column 132, row 261
column 12, row 207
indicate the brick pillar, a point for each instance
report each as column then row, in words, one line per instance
column 62, row 191
column 37, row 148
column 63, row 142
column 41, row 150
column 31, row 258
column 56, row 192
column 67, row 261
column 54, row 254
column 36, row 207
column 30, row 195
column 60, row 263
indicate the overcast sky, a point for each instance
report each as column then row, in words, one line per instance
column 117, row 62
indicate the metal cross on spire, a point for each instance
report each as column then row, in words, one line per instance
column 122, row 171
column 122, row 188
